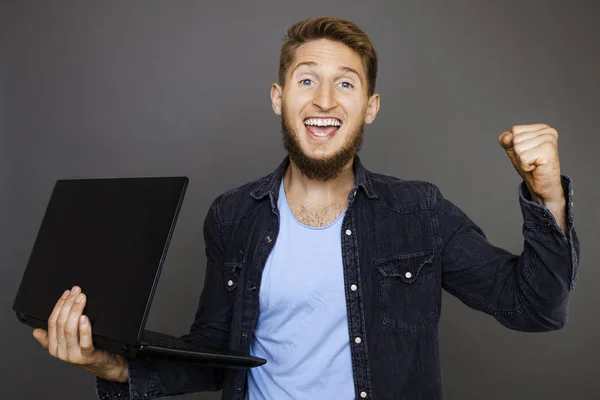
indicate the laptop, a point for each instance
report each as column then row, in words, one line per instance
column 110, row 237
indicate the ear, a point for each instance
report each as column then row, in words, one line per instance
column 276, row 97
column 372, row 108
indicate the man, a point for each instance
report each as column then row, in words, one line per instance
column 334, row 273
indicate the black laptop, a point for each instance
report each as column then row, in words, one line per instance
column 110, row 237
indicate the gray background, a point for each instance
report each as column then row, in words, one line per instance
column 96, row 89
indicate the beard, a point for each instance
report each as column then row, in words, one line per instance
column 319, row 169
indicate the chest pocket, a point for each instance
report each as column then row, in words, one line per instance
column 407, row 290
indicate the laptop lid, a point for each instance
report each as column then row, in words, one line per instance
column 108, row 236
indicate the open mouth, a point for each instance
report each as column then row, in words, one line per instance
column 322, row 127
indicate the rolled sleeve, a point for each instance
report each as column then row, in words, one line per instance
column 538, row 218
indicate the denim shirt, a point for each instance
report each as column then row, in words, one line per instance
column 402, row 243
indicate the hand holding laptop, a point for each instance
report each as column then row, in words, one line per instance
column 108, row 235
column 69, row 338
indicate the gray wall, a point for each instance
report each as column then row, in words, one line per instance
column 95, row 89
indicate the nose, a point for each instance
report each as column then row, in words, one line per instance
column 325, row 97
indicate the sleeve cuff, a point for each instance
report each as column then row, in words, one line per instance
column 539, row 218
column 142, row 383
column 108, row 390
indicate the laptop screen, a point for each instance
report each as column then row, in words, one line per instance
column 108, row 236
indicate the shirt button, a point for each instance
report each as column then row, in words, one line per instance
column 230, row 283
column 348, row 232
column 354, row 193
column 353, row 288
column 408, row 275
column 363, row 395
column 268, row 239
column 357, row 340
column 244, row 335
column 239, row 388
column 253, row 288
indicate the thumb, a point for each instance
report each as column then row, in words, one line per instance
column 505, row 140
column 41, row 336
column 85, row 335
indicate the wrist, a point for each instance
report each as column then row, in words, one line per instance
column 554, row 204
column 124, row 377
column 556, row 199
column 120, row 373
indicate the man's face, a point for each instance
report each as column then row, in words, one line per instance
column 324, row 105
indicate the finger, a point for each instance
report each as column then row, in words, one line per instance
column 72, row 328
column 528, row 135
column 85, row 336
column 41, row 336
column 61, row 322
column 52, row 344
column 533, row 142
column 535, row 157
column 518, row 129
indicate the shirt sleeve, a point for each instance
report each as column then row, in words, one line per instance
column 141, row 384
column 526, row 292
column 152, row 379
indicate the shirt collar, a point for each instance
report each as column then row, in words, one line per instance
column 272, row 182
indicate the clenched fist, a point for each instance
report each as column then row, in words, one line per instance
column 533, row 150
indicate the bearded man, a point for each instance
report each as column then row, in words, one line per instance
column 334, row 274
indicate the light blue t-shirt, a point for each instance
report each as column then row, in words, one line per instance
column 302, row 327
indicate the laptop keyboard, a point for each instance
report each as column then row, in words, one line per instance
column 170, row 342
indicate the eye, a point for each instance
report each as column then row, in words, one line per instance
column 346, row 85
column 306, row 82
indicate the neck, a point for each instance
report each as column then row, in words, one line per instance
column 298, row 185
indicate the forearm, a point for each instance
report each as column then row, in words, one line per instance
column 548, row 265
column 527, row 292
column 537, row 289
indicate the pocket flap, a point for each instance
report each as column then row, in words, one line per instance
column 404, row 266
column 232, row 275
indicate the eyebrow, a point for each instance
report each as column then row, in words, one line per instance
column 350, row 70
column 314, row 64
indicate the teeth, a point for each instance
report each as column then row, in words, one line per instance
column 322, row 122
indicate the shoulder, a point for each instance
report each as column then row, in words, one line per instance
column 237, row 202
column 404, row 195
